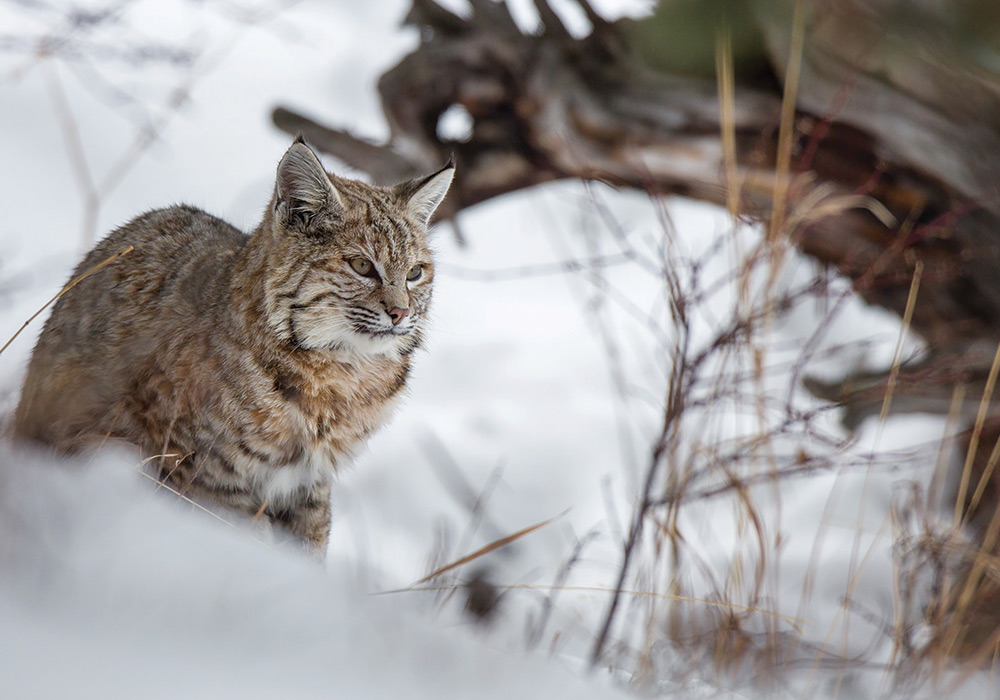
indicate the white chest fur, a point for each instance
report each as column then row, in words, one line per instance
column 276, row 484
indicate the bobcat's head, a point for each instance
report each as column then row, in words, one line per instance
column 349, row 265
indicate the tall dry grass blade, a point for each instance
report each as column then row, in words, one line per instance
column 727, row 122
column 983, row 560
column 898, row 613
column 495, row 544
column 75, row 281
column 786, row 130
column 984, row 480
column 897, row 355
column 934, row 490
column 970, row 454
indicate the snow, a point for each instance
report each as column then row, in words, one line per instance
column 111, row 590
column 539, row 397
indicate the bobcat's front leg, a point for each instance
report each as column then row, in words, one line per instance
column 307, row 518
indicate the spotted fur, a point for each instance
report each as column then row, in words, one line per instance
column 250, row 366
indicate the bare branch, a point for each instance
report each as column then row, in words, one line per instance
column 381, row 162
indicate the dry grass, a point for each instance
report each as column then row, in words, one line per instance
column 945, row 585
column 72, row 283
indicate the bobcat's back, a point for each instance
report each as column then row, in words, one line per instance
column 104, row 336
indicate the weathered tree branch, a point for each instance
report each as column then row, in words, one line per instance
column 886, row 169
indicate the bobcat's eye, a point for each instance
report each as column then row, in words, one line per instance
column 415, row 273
column 363, row 267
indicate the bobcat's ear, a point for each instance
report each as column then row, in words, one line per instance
column 423, row 195
column 303, row 186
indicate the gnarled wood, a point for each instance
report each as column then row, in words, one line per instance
column 550, row 106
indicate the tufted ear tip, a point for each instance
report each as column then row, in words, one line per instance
column 423, row 196
column 302, row 183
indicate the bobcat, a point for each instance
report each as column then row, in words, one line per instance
column 249, row 366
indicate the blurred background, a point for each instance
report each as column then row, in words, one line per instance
column 716, row 302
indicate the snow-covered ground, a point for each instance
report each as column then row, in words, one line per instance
column 540, row 396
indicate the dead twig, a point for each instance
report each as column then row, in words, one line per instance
column 75, row 281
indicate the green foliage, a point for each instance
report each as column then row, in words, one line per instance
column 680, row 37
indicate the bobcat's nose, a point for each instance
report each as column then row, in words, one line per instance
column 397, row 314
